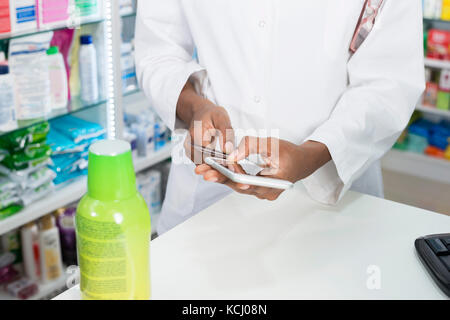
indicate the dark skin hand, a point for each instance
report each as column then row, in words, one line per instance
column 283, row 159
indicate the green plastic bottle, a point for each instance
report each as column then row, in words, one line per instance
column 113, row 228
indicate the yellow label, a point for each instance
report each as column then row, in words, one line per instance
column 52, row 267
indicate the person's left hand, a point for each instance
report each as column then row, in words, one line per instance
column 284, row 160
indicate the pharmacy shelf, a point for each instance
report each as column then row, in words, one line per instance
column 417, row 165
column 437, row 64
column 64, row 25
column 432, row 110
column 71, row 193
column 428, row 20
column 45, row 290
column 76, row 105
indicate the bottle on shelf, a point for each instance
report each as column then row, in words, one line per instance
column 30, row 251
column 88, row 70
column 59, row 88
column 50, row 250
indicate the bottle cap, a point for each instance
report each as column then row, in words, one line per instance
column 52, row 50
column 110, row 171
column 47, row 222
column 86, row 39
column 4, row 69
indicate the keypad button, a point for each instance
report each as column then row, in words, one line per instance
column 438, row 247
column 446, row 241
column 446, row 261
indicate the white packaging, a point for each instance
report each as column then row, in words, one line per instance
column 32, row 195
column 7, row 103
column 88, row 71
column 23, row 15
column 30, row 250
column 29, row 67
column 59, row 87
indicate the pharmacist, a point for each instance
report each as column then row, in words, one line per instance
column 286, row 66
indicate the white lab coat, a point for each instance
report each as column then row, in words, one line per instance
column 285, row 65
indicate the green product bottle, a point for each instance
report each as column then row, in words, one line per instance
column 113, row 228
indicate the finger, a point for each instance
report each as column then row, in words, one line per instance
column 214, row 176
column 240, row 188
column 269, row 172
column 195, row 156
column 202, row 169
column 268, row 193
column 250, row 145
column 222, row 123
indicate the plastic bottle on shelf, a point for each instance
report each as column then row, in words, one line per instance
column 7, row 105
column 30, row 250
column 59, row 89
column 88, row 70
column 50, row 250
column 113, row 228
column 129, row 80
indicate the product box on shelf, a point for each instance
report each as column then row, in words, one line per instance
column 23, row 15
column 52, row 12
column 5, row 17
column 432, row 9
column 438, row 44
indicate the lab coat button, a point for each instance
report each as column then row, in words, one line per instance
column 257, row 99
column 262, row 24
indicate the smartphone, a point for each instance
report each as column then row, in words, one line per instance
column 248, row 179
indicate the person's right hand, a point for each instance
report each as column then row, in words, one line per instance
column 210, row 123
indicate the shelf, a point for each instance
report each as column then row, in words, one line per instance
column 75, row 106
column 418, row 165
column 434, row 20
column 433, row 110
column 44, row 290
column 64, row 25
column 128, row 13
column 437, row 64
column 71, row 193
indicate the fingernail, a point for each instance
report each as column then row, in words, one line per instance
column 245, row 187
column 212, row 180
column 229, row 147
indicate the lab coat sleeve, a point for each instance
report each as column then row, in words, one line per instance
column 386, row 79
column 164, row 56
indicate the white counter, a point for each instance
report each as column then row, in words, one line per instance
column 294, row 248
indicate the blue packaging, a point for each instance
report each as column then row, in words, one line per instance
column 77, row 129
